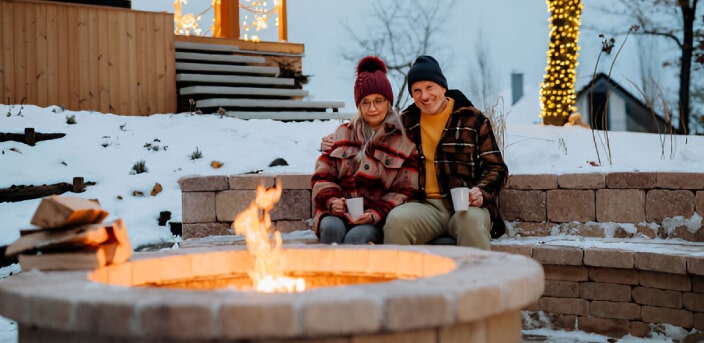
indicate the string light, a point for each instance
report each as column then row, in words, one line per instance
column 255, row 19
column 557, row 93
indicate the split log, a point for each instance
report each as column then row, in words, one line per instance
column 61, row 211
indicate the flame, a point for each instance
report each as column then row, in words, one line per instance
column 266, row 274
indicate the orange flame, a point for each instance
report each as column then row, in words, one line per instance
column 266, row 274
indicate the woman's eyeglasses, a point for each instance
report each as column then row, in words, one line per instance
column 366, row 104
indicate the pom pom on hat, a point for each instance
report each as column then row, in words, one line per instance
column 371, row 79
column 371, row 64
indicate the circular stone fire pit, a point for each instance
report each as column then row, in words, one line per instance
column 359, row 294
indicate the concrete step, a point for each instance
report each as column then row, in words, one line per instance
column 269, row 103
column 235, row 79
column 223, row 68
column 283, row 115
column 197, row 56
column 205, row 47
column 282, row 92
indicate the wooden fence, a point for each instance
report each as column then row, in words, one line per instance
column 81, row 57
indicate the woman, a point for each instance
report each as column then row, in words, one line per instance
column 371, row 157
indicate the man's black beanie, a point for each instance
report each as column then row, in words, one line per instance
column 426, row 68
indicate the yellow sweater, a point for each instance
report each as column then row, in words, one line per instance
column 431, row 127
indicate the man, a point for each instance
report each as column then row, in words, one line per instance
column 457, row 148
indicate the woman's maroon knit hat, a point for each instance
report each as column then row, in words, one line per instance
column 371, row 79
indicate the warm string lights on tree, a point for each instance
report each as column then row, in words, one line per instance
column 557, row 93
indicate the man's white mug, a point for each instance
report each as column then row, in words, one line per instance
column 355, row 206
column 460, row 198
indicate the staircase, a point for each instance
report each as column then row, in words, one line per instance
column 223, row 79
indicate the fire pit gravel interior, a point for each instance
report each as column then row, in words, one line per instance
column 428, row 294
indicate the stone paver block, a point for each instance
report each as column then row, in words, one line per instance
column 533, row 181
column 198, row 207
column 640, row 329
column 695, row 265
column 294, row 204
column 661, row 204
column 564, row 305
column 228, row 204
column 693, row 301
column 605, row 257
column 694, row 181
column 657, row 297
column 203, row 183
column 252, row 181
column 525, row 250
column 565, row 205
column 675, row 282
column 677, row 317
column 567, row 273
column 605, row 291
column 462, row 333
column 523, row 205
column 560, row 255
column 613, row 275
column 620, row 205
column 414, row 309
column 296, row 181
column 264, row 315
column 325, row 318
column 178, row 320
column 581, row 181
column 699, row 321
column 561, row 289
column 631, row 180
column 604, row 326
column 505, row 327
column 660, row 262
column 699, row 202
column 615, row 310
column 421, row 336
column 528, row 229
column 205, row 230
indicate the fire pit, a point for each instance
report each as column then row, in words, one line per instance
column 416, row 293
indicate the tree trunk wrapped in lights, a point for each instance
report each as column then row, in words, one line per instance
column 557, row 90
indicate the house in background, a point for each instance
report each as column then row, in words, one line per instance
column 604, row 97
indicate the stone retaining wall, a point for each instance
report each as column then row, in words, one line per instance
column 615, row 291
column 654, row 205
column 606, row 290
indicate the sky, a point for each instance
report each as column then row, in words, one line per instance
column 104, row 148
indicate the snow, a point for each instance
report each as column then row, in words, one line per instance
column 103, row 148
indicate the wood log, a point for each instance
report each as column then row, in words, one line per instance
column 115, row 250
column 74, row 260
column 62, row 211
column 21, row 193
column 51, row 240
column 23, row 137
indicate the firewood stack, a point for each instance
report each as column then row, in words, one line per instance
column 71, row 235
